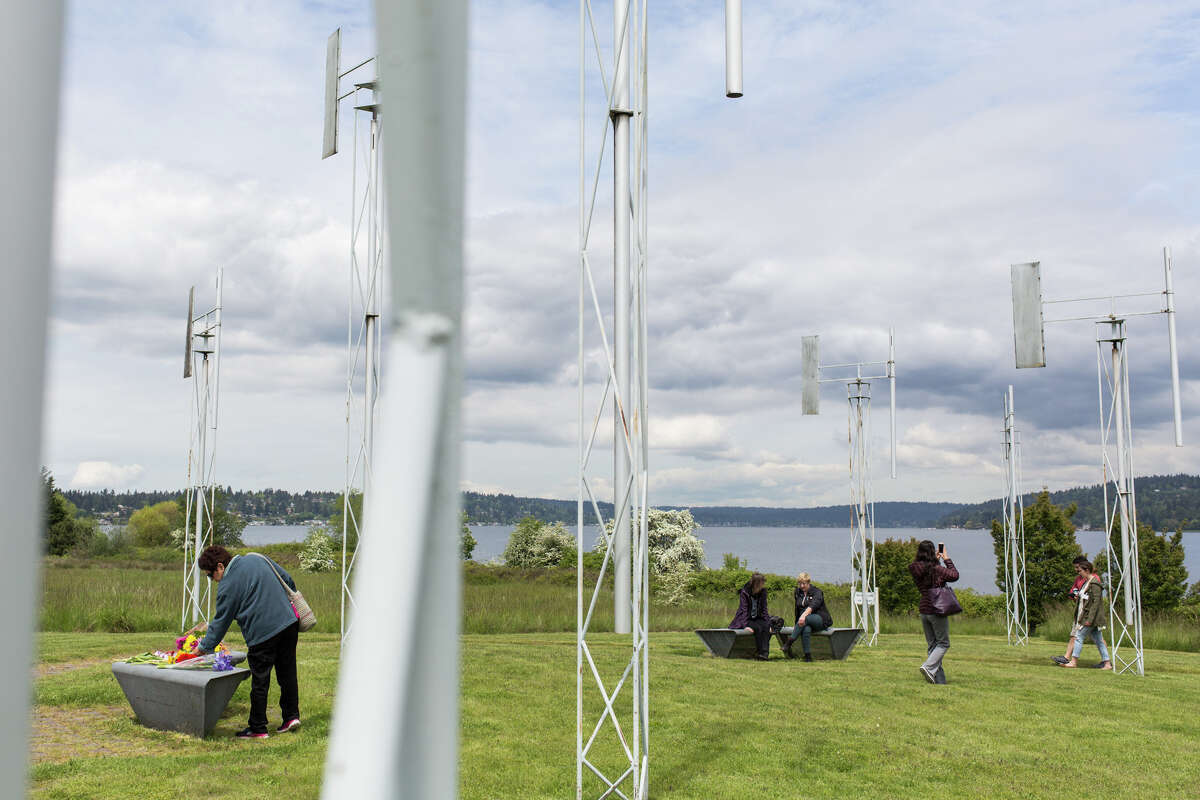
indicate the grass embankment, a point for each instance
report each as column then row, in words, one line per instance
column 1010, row 724
column 121, row 598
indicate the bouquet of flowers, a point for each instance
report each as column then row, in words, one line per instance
column 186, row 650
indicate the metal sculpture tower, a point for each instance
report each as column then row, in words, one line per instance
column 1016, row 607
column 202, row 363
column 1123, row 579
column 621, row 74
column 864, row 594
column 364, row 305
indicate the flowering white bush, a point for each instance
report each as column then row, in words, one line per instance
column 537, row 544
column 317, row 554
column 675, row 552
column 178, row 537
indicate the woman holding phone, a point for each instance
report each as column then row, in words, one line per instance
column 933, row 568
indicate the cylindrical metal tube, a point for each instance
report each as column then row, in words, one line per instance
column 892, row 385
column 1118, row 381
column 1170, row 309
column 733, row 48
column 622, row 496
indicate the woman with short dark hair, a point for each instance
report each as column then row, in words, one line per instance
column 250, row 592
column 933, row 568
column 752, row 614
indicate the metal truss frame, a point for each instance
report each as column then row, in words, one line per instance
column 1016, row 605
column 204, row 367
column 864, row 593
column 363, row 310
column 1123, row 577
column 864, row 590
column 625, row 383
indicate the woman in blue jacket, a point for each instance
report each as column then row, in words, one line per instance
column 249, row 591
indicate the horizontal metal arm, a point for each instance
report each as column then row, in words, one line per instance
column 1106, row 317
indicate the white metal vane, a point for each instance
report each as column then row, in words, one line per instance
column 365, row 298
column 202, row 363
column 857, row 376
column 1123, row 576
column 1016, row 607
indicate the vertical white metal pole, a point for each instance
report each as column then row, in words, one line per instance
column 410, row 575
column 622, row 494
column 26, row 208
column 1170, row 310
column 891, row 371
column 579, row 631
column 733, row 48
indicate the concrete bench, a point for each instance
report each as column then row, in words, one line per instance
column 185, row 700
column 831, row 643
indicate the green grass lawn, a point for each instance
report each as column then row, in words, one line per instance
column 1010, row 724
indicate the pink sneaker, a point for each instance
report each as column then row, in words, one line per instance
column 288, row 725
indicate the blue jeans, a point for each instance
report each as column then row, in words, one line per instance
column 812, row 622
column 937, row 636
column 1097, row 637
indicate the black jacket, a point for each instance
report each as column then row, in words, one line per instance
column 814, row 598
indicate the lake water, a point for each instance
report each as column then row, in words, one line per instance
column 822, row 552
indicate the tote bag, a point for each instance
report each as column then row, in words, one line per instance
column 300, row 606
column 944, row 601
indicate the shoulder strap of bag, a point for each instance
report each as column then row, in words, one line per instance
column 271, row 564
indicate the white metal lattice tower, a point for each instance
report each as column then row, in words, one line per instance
column 864, row 591
column 614, row 747
column 202, row 363
column 1123, row 578
column 364, row 305
column 621, row 75
column 1016, row 607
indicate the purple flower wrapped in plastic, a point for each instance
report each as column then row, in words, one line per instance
column 222, row 663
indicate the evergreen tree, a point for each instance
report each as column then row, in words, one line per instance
column 1160, row 567
column 63, row 531
column 466, row 542
column 897, row 591
column 1050, row 547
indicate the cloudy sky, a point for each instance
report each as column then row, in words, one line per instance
column 887, row 164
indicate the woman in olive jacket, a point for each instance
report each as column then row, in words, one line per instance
column 1089, row 617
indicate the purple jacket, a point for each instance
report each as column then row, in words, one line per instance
column 942, row 573
column 749, row 605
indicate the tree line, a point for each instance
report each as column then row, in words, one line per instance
column 1164, row 502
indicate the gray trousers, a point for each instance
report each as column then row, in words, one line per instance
column 937, row 636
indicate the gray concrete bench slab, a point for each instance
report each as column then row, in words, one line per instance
column 829, row 644
column 185, row 700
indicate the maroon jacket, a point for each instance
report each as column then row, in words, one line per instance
column 748, row 603
column 942, row 573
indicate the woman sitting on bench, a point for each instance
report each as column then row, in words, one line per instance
column 752, row 614
column 811, row 615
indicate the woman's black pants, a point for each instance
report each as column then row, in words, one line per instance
column 762, row 635
column 279, row 652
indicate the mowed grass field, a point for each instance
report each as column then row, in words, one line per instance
column 1010, row 724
